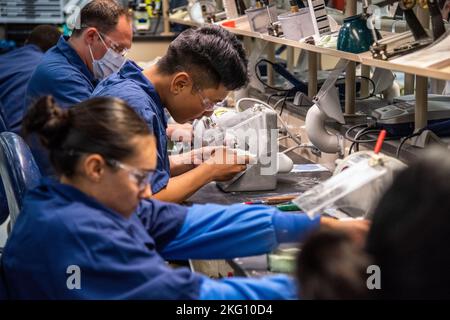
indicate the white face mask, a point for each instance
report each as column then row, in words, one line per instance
column 111, row 62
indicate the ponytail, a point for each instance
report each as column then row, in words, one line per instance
column 48, row 120
column 101, row 125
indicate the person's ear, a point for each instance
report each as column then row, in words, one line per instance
column 90, row 35
column 94, row 167
column 180, row 81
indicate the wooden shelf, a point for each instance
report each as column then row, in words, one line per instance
column 185, row 22
column 422, row 74
column 363, row 58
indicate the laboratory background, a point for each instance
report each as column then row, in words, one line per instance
column 224, row 149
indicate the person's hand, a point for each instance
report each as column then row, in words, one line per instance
column 223, row 163
column 356, row 228
column 180, row 132
column 202, row 154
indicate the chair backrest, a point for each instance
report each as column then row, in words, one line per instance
column 3, row 126
column 4, row 211
column 18, row 171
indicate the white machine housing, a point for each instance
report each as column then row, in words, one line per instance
column 254, row 131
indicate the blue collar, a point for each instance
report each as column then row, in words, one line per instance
column 73, row 58
column 73, row 194
column 130, row 70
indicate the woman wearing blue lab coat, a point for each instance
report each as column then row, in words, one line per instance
column 94, row 234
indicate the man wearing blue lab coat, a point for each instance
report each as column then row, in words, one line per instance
column 16, row 68
column 199, row 69
column 70, row 71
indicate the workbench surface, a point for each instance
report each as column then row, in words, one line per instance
column 287, row 183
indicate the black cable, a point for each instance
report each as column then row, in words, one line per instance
column 359, row 135
column 372, row 94
column 367, row 140
column 404, row 139
column 284, row 103
column 347, row 133
column 363, row 133
column 373, row 88
column 262, row 81
column 356, row 144
column 377, row 131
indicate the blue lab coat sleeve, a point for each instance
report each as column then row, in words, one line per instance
column 221, row 232
column 267, row 288
column 162, row 221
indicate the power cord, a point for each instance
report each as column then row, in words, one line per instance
column 372, row 94
column 303, row 145
column 347, row 133
column 355, row 144
column 404, row 139
column 262, row 81
column 369, row 128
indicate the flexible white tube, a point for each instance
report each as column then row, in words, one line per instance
column 318, row 134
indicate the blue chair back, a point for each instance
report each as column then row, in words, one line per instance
column 18, row 171
column 4, row 211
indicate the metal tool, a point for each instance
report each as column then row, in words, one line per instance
column 421, row 38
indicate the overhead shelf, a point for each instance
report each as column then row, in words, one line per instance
column 363, row 58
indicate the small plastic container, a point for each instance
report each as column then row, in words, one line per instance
column 282, row 260
column 335, row 192
column 296, row 25
column 258, row 18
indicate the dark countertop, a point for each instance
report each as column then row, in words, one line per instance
column 287, row 183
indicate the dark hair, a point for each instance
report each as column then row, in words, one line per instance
column 331, row 266
column 210, row 54
column 101, row 14
column 100, row 125
column 410, row 233
column 44, row 36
